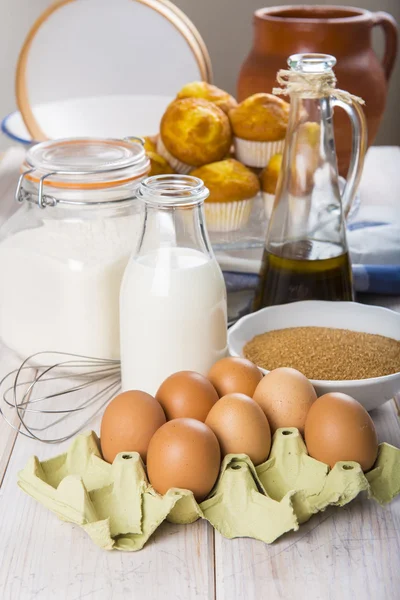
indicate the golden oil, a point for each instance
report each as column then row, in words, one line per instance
column 291, row 274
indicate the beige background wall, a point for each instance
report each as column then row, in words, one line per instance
column 227, row 30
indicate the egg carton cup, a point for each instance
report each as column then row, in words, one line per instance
column 118, row 508
column 227, row 216
column 256, row 154
column 175, row 163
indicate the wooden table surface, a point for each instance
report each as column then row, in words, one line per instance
column 349, row 553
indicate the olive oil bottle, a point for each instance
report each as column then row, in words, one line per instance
column 285, row 278
column 306, row 255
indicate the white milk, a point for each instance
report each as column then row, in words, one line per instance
column 173, row 316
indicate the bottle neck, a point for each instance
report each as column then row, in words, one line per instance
column 174, row 227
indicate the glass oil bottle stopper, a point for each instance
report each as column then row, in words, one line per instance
column 306, row 255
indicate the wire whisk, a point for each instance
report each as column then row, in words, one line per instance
column 70, row 392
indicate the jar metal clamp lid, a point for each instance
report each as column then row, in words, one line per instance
column 81, row 164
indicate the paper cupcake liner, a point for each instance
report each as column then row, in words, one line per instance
column 227, row 216
column 256, row 154
column 268, row 200
column 175, row 163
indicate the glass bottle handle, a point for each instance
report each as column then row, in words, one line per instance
column 358, row 150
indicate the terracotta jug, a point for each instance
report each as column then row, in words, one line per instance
column 344, row 32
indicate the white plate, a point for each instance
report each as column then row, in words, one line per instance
column 95, row 56
column 371, row 393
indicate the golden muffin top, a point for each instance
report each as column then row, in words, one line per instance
column 206, row 91
column 269, row 175
column 195, row 131
column 260, row 118
column 228, row 180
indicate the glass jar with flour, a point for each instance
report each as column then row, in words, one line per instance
column 63, row 253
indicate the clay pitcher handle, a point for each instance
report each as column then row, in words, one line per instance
column 389, row 26
column 358, row 150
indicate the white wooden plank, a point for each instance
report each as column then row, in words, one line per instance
column 346, row 553
column 45, row 558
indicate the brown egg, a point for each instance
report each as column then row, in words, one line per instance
column 232, row 374
column 285, row 395
column 128, row 424
column 187, row 394
column 184, row 453
column 338, row 428
column 241, row 427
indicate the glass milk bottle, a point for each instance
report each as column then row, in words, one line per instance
column 173, row 312
column 306, row 255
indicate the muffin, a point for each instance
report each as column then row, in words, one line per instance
column 259, row 126
column 206, row 91
column 233, row 188
column 269, row 179
column 193, row 132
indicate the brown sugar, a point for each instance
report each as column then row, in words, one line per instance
column 323, row 353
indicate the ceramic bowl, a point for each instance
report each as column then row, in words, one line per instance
column 126, row 63
column 104, row 116
column 14, row 127
column 371, row 393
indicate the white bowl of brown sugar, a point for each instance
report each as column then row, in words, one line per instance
column 340, row 346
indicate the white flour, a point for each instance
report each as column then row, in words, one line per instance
column 60, row 285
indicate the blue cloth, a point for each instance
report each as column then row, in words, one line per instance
column 373, row 237
column 374, row 279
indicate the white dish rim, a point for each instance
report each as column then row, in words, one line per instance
column 5, row 129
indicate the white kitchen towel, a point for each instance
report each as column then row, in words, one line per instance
column 374, row 236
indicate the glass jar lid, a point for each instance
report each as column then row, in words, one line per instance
column 82, row 164
column 87, row 161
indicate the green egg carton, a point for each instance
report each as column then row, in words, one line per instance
column 119, row 509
